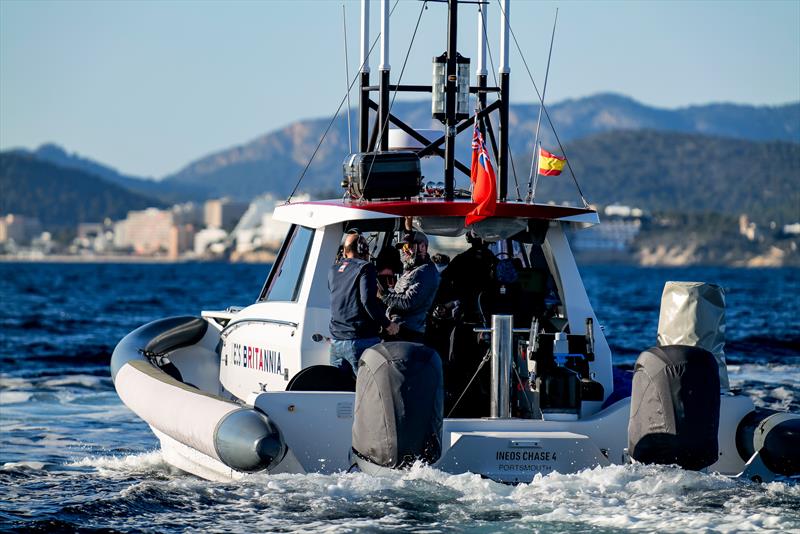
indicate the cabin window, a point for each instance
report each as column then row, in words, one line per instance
column 286, row 276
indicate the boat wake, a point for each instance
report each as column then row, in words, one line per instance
column 146, row 493
column 770, row 386
column 144, row 464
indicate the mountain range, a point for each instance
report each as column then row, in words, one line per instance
column 718, row 157
column 274, row 161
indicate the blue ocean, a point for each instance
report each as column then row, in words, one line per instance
column 74, row 458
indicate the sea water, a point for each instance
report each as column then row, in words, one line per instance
column 73, row 457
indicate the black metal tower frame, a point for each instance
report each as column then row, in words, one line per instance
column 371, row 142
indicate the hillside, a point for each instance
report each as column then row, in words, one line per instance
column 165, row 191
column 274, row 161
column 680, row 172
column 59, row 196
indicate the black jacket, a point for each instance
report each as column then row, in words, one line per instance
column 356, row 312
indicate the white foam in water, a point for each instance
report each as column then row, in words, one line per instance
column 88, row 381
column 142, row 464
column 640, row 497
column 787, row 375
column 14, row 397
column 770, row 386
column 13, row 466
column 648, row 498
column 8, row 382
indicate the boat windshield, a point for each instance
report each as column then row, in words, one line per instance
column 285, row 278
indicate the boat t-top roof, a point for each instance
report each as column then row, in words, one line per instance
column 394, row 172
column 317, row 214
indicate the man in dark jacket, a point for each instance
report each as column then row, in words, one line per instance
column 412, row 296
column 357, row 316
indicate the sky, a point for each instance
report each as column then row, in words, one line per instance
column 149, row 86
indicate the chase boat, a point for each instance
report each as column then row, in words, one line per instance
column 521, row 386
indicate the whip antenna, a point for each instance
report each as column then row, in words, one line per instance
column 336, row 114
column 549, row 120
column 534, row 178
column 347, row 79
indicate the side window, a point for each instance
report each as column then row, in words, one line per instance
column 286, row 276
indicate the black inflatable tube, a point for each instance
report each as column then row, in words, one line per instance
column 157, row 337
column 776, row 435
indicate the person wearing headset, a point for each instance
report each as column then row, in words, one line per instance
column 357, row 316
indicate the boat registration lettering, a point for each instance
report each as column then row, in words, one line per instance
column 525, row 461
column 256, row 358
column 526, row 456
column 526, row 468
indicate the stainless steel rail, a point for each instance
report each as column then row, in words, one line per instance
column 502, row 332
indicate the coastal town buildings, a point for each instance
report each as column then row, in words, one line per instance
column 221, row 229
column 209, row 241
column 613, row 238
column 145, row 232
column 179, row 230
column 94, row 238
column 223, row 213
column 19, row 228
column 747, row 228
column 257, row 230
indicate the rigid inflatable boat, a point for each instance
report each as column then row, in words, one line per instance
column 522, row 386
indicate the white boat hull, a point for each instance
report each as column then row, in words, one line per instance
column 317, row 429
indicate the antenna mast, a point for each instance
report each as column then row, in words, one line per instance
column 363, row 95
column 481, row 71
column 383, row 109
column 504, row 71
column 450, row 100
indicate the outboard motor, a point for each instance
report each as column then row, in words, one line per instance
column 693, row 313
column 675, row 406
column 399, row 405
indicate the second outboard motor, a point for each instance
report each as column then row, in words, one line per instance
column 399, row 405
column 675, row 407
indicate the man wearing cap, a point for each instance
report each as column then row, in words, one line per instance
column 412, row 296
column 357, row 316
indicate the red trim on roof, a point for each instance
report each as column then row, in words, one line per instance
column 455, row 208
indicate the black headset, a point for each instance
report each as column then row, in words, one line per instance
column 362, row 246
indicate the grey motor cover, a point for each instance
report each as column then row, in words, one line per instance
column 693, row 313
column 675, row 403
column 399, row 405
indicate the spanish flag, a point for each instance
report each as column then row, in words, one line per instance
column 550, row 164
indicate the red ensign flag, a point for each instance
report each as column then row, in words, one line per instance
column 484, row 182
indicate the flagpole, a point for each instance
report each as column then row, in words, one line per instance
column 536, row 176
column 537, row 148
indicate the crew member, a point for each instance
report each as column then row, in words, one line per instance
column 411, row 298
column 357, row 316
column 468, row 275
